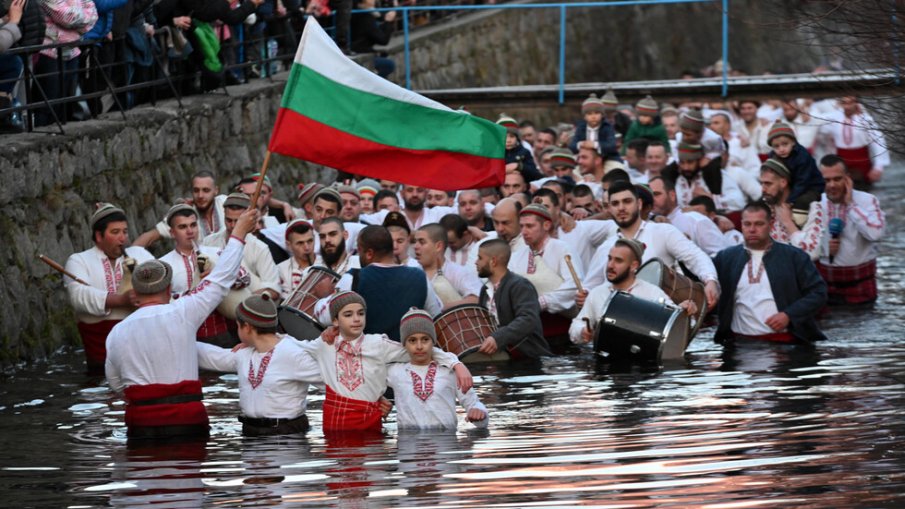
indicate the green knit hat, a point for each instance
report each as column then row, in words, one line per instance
column 778, row 129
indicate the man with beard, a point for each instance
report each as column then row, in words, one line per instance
column 663, row 241
column 462, row 245
column 696, row 176
column 752, row 129
column 453, row 283
column 100, row 304
column 623, row 262
column 848, row 262
column 208, row 202
column 513, row 302
column 414, row 199
column 692, row 131
column 256, row 257
column 472, row 210
column 334, row 256
column 780, row 307
column 583, row 237
column 804, row 233
column 439, row 198
column 697, row 227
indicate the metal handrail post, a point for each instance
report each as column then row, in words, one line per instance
column 725, row 48
column 407, row 55
column 562, row 54
column 895, row 44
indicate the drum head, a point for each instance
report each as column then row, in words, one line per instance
column 651, row 271
column 298, row 324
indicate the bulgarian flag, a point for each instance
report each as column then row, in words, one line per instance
column 339, row 114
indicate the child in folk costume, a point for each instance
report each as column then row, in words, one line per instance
column 354, row 367
column 426, row 392
column 274, row 373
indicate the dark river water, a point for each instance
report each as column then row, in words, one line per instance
column 760, row 425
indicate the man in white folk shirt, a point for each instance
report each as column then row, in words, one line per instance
column 584, row 237
column 453, row 283
column 775, row 179
column 300, row 244
column 543, row 262
column 152, row 356
column 334, row 252
column 401, row 231
column 256, row 258
column 187, row 272
column 858, row 141
column 622, row 265
column 414, row 199
column 694, row 175
column 697, row 227
column 104, row 301
column 462, row 245
column 855, row 226
column 663, row 241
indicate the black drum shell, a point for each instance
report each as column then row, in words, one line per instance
column 636, row 329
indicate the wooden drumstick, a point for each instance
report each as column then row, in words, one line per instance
column 574, row 274
column 59, row 268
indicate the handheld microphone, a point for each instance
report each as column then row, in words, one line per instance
column 836, row 226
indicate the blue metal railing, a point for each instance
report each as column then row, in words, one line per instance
column 562, row 7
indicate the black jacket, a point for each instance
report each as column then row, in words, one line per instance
column 518, row 311
column 367, row 30
column 606, row 139
column 712, row 173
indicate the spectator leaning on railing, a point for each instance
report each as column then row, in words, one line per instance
column 10, row 65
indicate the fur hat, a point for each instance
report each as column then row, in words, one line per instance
column 416, row 321
column 780, row 128
column 693, row 120
column 259, row 311
column 103, row 210
column 151, row 277
column 343, row 299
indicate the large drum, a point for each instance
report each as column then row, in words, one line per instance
column 462, row 329
column 635, row 329
column 299, row 325
column 297, row 311
column 679, row 288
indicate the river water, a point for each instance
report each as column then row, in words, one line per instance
column 759, row 425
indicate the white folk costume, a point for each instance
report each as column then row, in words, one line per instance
column 747, row 181
column 663, row 241
column 596, row 300
column 355, row 373
column 756, row 136
column 466, row 257
column 425, row 397
column 152, row 358
column 273, row 385
column 453, row 282
column 700, row 229
column 342, row 268
column 858, row 141
column 291, row 276
column 587, row 236
column 710, row 140
column 754, row 301
column 851, row 276
column 205, row 228
column 257, row 260
column 546, row 269
column 89, row 302
column 731, row 198
column 808, row 237
column 743, row 155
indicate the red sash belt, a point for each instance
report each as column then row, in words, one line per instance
column 776, row 337
column 856, row 159
column 94, row 338
column 850, row 285
column 176, row 404
column 347, row 414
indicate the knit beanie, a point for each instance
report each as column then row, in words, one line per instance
column 690, row 152
column 329, row 191
column 508, row 122
column 257, row 176
column 645, row 194
column 592, row 103
column 103, row 210
column 693, row 120
column 308, row 191
column 609, row 100
column 343, row 299
column 537, row 210
column 259, row 311
column 151, row 277
column 348, row 190
column 636, row 246
column 776, row 167
column 179, row 207
column 647, row 106
column 562, row 158
column 368, row 187
column 240, row 200
column 780, row 128
column 416, row 321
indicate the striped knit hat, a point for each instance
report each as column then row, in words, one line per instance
column 308, row 191
column 103, row 210
column 778, row 129
column 561, row 158
column 238, row 200
column 647, row 106
column 368, row 187
column 690, row 152
column 151, row 277
column 645, row 194
column 537, row 210
column 179, row 207
column 592, row 103
column 693, row 120
column 776, row 166
column 348, row 190
column 259, row 311
column 257, row 176
column 329, row 191
column 508, row 122
column 416, row 321
column 343, row 299
column 609, row 100
column 636, row 247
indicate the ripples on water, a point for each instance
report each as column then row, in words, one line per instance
column 754, row 426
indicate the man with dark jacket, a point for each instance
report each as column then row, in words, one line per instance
column 780, row 307
column 513, row 301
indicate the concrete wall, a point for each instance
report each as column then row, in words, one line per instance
column 141, row 164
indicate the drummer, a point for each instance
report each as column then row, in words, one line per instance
column 100, row 305
column 334, row 253
column 453, row 283
column 622, row 265
column 299, row 242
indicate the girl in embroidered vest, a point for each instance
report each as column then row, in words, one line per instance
column 426, row 392
column 354, row 366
